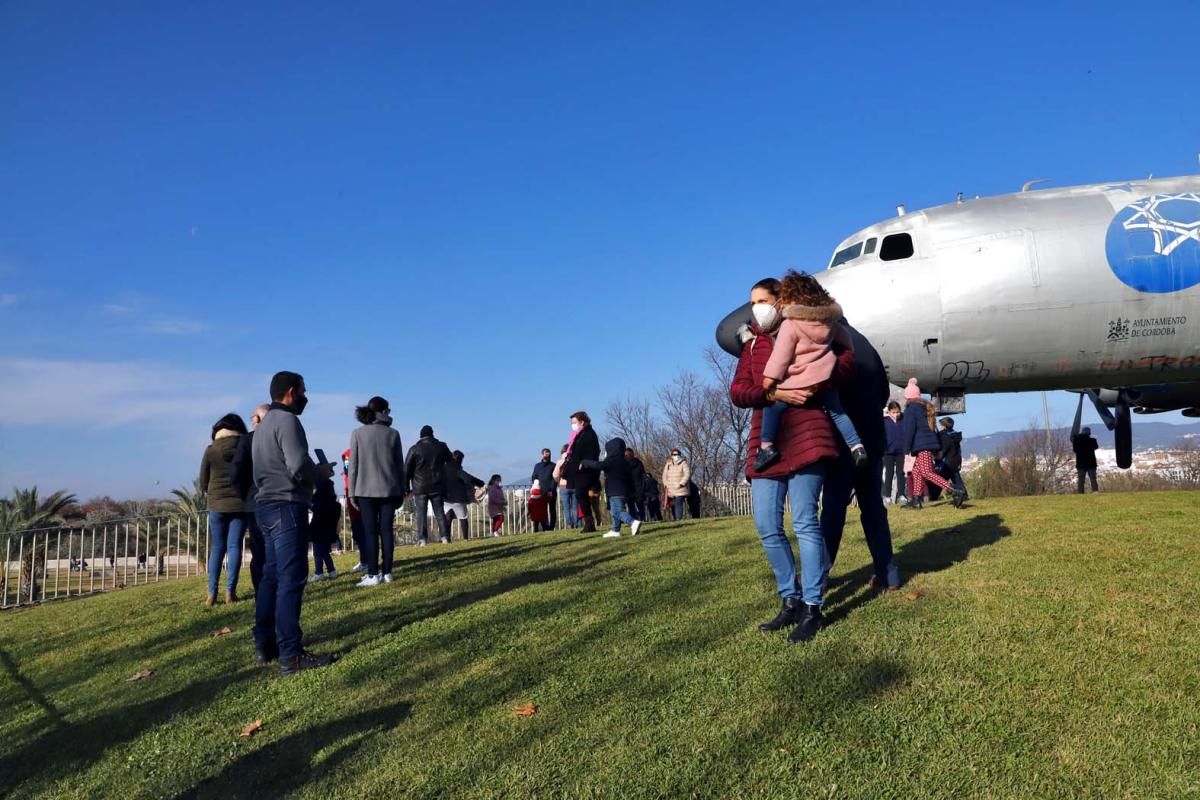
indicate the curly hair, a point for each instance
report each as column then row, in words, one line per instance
column 802, row 289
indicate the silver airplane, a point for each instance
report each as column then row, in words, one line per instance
column 1094, row 289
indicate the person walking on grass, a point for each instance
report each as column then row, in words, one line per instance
column 566, row 490
column 584, row 446
column 497, row 504
column 377, row 483
column 676, row 476
column 283, row 473
column 618, row 485
column 951, row 461
column 1085, row 447
column 893, row 455
column 637, row 482
column 323, row 528
column 543, row 475
column 921, row 442
column 226, row 507
column 241, row 475
column 459, row 493
column 426, row 467
column 809, row 442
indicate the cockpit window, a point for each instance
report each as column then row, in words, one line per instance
column 896, row 247
column 869, row 247
column 847, row 254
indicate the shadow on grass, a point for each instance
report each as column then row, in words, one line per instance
column 30, row 689
column 287, row 764
column 72, row 747
column 937, row 550
column 417, row 565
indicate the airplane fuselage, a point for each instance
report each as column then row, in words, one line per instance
column 1074, row 288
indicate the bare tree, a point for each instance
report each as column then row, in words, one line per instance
column 636, row 422
column 737, row 420
column 1033, row 462
column 694, row 411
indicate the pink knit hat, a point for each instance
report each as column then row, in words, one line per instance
column 912, row 391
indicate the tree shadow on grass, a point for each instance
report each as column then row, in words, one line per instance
column 71, row 747
column 286, row 764
column 417, row 565
column 31, row 690
column 937, row 550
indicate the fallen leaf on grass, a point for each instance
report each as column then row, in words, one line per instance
column 913, row 595
column 140, row 675
column 222, row 632
column 526, row 710
column 252, row 728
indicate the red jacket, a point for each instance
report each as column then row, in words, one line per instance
column 806, row 434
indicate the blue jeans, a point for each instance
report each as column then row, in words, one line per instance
column 225, row 530
column 570, row 510
column 841, row 478
column 826, row 399
column 677, row 505
column 619, row 515
column 379, row 520
column 769, row 494
column 277, row 605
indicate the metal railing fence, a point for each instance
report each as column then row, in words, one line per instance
column 69, row 561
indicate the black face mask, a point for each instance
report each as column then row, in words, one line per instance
column 298, row 404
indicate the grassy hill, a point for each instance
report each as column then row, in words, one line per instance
column 1052, row 652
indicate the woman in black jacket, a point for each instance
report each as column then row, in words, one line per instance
column 459, row 492
column 585, row 446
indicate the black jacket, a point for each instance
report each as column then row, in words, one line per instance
column 327, row 512
column 915, row 424
column 864, row 393
column 637, row 476
column 951, row 448
column 460, row 485
column 586, row 447
column 241, row 468
column 1085, row 451
column 617, row 473
column 650, row 488
column 426, row 466
column 543, row 473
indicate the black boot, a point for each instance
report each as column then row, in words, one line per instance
column 306, row 660
column 808, row 622
column 785, row 617
column 265, row 655
column 766, row 457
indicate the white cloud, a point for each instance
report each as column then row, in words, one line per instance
column 9, row 299
column 129, row 304
column 176, row 326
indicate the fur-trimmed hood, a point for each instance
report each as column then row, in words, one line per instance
column 828, row 314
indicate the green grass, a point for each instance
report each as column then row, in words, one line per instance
column 1053, row 652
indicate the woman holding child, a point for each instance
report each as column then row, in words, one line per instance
column 806, row 438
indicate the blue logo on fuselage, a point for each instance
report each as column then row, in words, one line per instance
column 1153, row 245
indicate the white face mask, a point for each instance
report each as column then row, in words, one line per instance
column 575, row 426
column 766, row 315
column 677, row 459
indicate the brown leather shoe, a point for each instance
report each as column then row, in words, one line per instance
column 210, row 601
column 231, row 597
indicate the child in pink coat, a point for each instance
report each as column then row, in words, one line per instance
column 803, row 358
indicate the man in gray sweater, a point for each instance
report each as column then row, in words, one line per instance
column 283, row 475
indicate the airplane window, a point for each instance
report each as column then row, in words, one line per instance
column 847, row 254
column 896, row 247
column 869, row 247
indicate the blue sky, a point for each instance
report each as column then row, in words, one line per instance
column 491, row 214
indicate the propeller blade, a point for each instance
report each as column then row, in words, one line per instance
column 1078, row 418
column 1105, row 415
column 1124, row 434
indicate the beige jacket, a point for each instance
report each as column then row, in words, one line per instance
column 675, row 478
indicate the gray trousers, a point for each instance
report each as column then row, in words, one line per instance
column 1089, row 472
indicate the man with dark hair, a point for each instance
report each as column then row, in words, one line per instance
column 1085, row 447
column 426, row 468
column 283, row 475
column 543, row 473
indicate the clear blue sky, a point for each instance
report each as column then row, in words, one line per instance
column 491, row 214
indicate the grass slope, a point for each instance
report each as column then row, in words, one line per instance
column 1052, row 653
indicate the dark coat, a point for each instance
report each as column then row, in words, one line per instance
column 1085, row 451
column 327, row 512
column 951, row 445
column 543, row 473
column 618, row 477
column 650, row 488
column 863, row 391
column 806, row 434
column 426, row 465
column 918, row 435
column 215, row 478
column 241, row 468
column 586, row 447
column 637, row 479
column 460, row 485
column 895, row 436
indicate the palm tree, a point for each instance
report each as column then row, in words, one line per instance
column 189, row 507
column 192, row 502
column 23, row 515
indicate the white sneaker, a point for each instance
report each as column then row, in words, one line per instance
column 635, row 527
column 359, row 567
column 331, row 574
column 420, row 543
column 612, row 535
column 445, row 540
column 387, row 578
column 370, row 580
column 496, row 534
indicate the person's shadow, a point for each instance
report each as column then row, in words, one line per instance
column 937, row 550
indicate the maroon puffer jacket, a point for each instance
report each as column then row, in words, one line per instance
column 806, row 434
